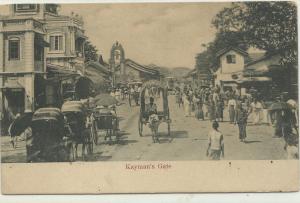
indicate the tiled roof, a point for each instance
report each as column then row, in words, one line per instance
column 139, row 67
column 223, row 51
column 98, row 66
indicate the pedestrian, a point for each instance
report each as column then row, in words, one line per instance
column 295, row 117
column 198, row 110
column 231, row 109
column 241, row 120
column 118, row 94
column 212, row 110
column 256, row 110
column 215, row 147
column 112, row 93
column 12, row 134
column 219, row 109
column 186, row 105
column 291, row 147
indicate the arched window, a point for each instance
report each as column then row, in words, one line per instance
column 117, row 54
column 14, row 48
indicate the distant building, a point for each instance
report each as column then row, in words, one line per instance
column 231, row 63
column 126, row 70
column 240, row 70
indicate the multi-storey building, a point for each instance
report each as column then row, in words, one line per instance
column 41, row 52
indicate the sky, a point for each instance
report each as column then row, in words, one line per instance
column 165, row 34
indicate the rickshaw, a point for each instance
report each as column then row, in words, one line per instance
column 48, row 141
column 75, row 115
column 163, row 116
column 105, row 119
column 133, row 95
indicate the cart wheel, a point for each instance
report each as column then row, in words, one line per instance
column 140, row 127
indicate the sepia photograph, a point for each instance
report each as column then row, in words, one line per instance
column 148, row 84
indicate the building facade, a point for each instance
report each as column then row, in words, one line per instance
column 40, row 51
column 22, row 58
column 231, row 63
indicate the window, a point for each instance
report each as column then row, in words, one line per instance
column 117, row 53
column 51, row 8
column 14, row 49
column 230, row 59
column 26, row 7
column 56, row 43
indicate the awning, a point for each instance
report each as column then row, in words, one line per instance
column 12, row 85
column 41, row 42
column 80, row 34
column 254, row 79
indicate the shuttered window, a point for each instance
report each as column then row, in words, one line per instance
column 230, row 58
column 26, row 7
column 14, row 49
column 56, row 43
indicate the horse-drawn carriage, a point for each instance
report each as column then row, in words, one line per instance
column 49, row 142
column 134, row 95
column 163, row 116
column 75, row 117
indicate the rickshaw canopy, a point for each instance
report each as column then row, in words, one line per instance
column 72, row 106
column 161, row 88
column 47, row 114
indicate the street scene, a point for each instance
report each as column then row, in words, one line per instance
column 74, row 89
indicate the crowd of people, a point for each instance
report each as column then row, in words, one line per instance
column 210, row 103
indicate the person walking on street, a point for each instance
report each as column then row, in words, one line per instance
column 198, row 108
column 215, row 147
column 256, row 109
column 241, row 120
column 231, row 109
column 186, row 105
column 219, row 109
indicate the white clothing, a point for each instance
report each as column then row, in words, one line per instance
column 232, row 102
column 214, row 138
column 186, row 105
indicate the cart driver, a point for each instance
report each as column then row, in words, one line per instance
column 151, row 108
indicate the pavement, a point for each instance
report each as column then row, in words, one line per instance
column 188, row 140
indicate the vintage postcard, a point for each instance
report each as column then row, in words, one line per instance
column 149, row 97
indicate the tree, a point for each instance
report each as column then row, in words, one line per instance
column 271, row 26
column 90, row 52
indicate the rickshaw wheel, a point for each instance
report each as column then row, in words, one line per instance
column 140, row 127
